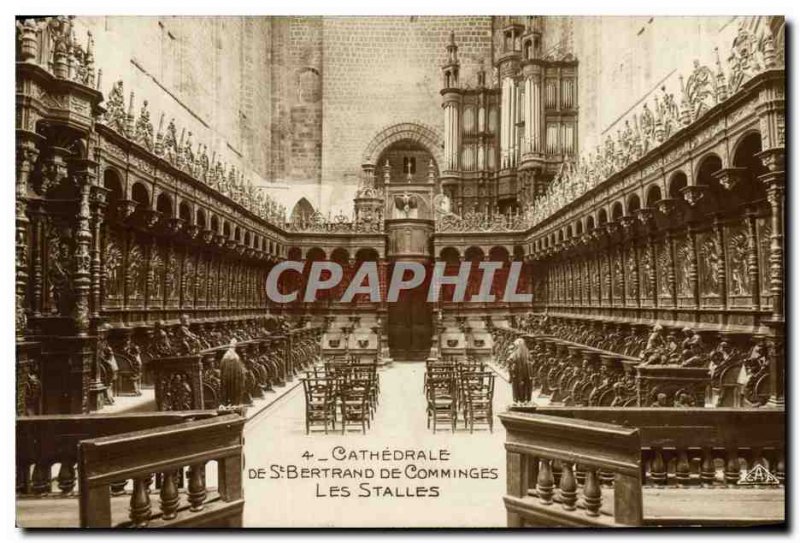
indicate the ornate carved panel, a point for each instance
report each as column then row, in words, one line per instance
column 646, row 271
column 136, row 272
column 664, row 270
column 172, row 278
column 187, row 300
column 710, row 262
column 155, row 291
column 631, row 276
column 618, row 276
column 60, row 250
column 114, row 265
column 739, row 288
column 683, row 257
column 605, row 278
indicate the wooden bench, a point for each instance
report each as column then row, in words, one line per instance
column 644, row 467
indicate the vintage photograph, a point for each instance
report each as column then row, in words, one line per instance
column 453, row 271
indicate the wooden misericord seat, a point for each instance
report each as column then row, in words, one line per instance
column 128, row 381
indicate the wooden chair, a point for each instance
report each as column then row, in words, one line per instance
column 435, row 369
column 369, row 374
column 354, row 398
column 441, row 400
column 478, row 393
column 320, row 396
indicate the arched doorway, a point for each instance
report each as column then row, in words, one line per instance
column 405, row 162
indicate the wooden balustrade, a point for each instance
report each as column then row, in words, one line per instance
column 668, row 466
column 44, row 441
column 558, row 460
column 165, row 451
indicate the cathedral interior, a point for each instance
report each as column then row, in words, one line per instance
column 632, row 168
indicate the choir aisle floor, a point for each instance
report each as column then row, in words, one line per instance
column 402, row 490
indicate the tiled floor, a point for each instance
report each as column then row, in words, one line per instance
column 276, row 439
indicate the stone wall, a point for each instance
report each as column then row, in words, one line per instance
column 210, row 73
column 297, row 69
column 379, row 71
column 295, row 101
column 624, row 61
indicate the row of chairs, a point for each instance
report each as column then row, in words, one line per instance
column 343, row 392
column 453, row 388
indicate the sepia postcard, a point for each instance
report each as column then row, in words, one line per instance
column 513, row 271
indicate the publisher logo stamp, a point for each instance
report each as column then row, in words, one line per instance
column 759, row 475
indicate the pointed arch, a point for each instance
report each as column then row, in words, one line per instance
column 301, row 210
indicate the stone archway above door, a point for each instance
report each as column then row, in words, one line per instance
column 424, row 135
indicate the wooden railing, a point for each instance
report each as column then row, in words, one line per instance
column 557, row 457
column 107, row 463
column 564, row 462
column 165, row 452
column 45, row 441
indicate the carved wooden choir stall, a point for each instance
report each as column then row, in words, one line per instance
column 139, row 259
